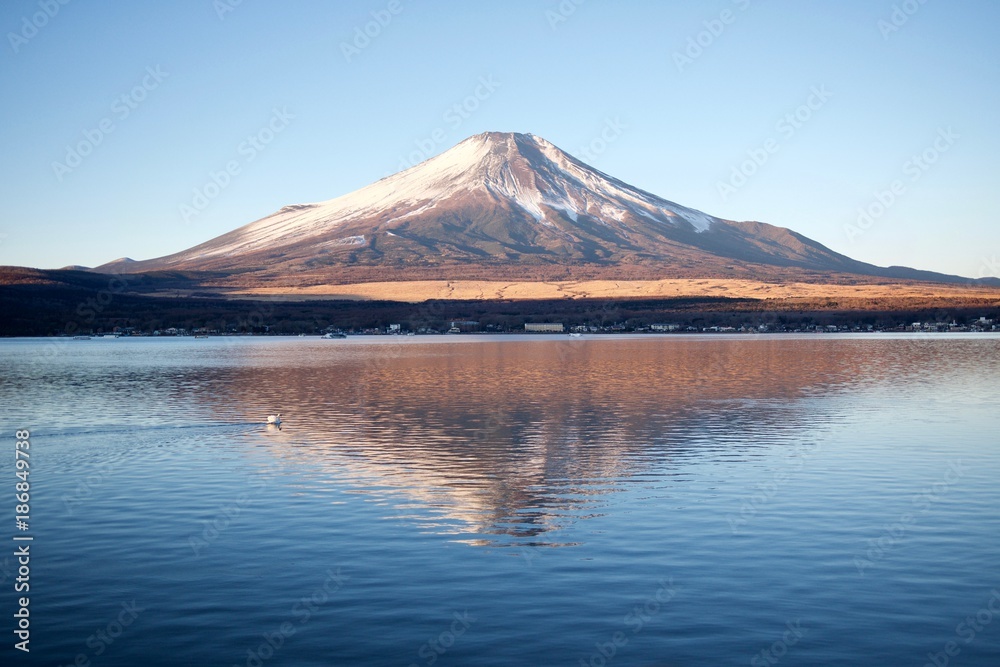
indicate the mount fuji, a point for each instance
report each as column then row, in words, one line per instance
column 503, row 205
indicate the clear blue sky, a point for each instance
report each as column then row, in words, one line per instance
column 558, row 74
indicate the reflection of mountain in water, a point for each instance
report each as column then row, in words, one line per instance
column 506, row 441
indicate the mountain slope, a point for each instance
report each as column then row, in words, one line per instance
column 501, row 205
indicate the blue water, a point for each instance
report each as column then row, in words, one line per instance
column 473, row 500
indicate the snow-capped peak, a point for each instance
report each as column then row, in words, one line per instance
column 523, row 170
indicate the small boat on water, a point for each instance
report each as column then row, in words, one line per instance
column 336, row 334
column 576, row 335
column 81, row 337
column 274, row 419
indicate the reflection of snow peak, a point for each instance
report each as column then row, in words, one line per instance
column 526, row 171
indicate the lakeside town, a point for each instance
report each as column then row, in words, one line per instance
column 980, row 325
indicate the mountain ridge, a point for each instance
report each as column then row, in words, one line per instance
column 499, row 204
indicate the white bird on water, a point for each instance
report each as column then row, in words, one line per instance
column 274, row 419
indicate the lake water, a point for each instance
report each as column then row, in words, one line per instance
column 813, row 500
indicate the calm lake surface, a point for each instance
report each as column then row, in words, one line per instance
column 814, row 500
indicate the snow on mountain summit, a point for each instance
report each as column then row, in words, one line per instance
column 522, row 170
column 498, row 205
